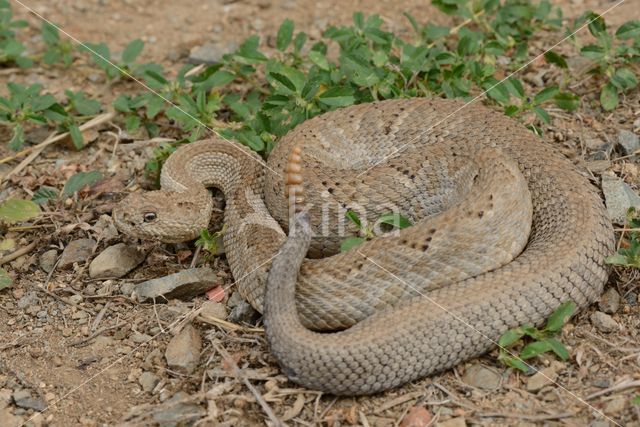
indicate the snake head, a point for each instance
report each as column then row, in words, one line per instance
column 162, row 215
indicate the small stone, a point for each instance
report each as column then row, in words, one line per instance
column 619, row 197
column 453, row 422
column 176, row 412
column 482, row 377
column 182, row 285
column 115, row 261
column 632, row 299
column 76, row 298
column 603, row 322
column 140, row 338
column 29, row 300
column 418, row 416
column 616, row 405
column 598, row 166
column 148, row 381
column 609, row 301
column 127, row 288
column 211, row 53
column 542, row 378
column 243, row 312
column 183, row 351
column 7, row 419
column 48, row 260
column 594, row 144
column 214, row 309
column 24, row 399
column 76, row 251
column 629, row 142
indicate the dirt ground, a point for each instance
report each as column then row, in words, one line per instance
column 80, row 348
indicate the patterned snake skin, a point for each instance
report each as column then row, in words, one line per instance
column 504, row 230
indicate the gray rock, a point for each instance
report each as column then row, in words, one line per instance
column 543, row 377
column 609, row 301
column 603, row 322
column 115, row 261
column 211, row 53
column 594, row 144
column 632, row 299
column 482, row 377
column 48, row 260
column 214, row 309
column 243, row 312
column 183, row 351
column 30, row 299
column 182, row 285
column 148, row 381
column 619, row 197
column 179, row 412
column 77, row 251
column 616, row 405
column 629, row 142
column 127, row 288
column 24, row 399
column 140, row 338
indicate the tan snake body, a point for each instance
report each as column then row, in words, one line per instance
column 505, row 230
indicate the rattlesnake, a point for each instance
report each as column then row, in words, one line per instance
column 504, row 230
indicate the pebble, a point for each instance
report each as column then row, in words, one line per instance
column 609, row 301
column 139, row 338
column 616, row 405
column 598, row 166
column 214, row 309
column 115, row 261
column 76, row 298
column 632, row 299
column 48, row 260
column 482, row 377
column 629, row 142
column 24, row 399
column 148, row 381
column 603, row 322
column 76, row 251
column 182, row 413
column 183, row 351
column 619, row 197
column 594, row 144
column 7, row 419
column 243, row 312
column 29, row 300
column 543, row 378
column 211, row 53
column 127, row 288
column 182, row 285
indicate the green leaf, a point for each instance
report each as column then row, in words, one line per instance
column 351, row 242
column 17, row 210
column 80, row 180
column 338, row 96
column 395, row 220
column 5, row 280
column 534, row 349
column 132, row 51
column 17, row 138
column 567, row 101
column 285, row 34
column 284, row 80
column 558, row 348
column 545, row 94
column 50, row 34
column 510, row 337
column 556, row 59
column 542, row 114
column 319, row 59
column 628, row 30
column 43, row 194
column 515, row 363
column 560, row 316
column 624, row 79
column 597, row 24
column 76, row 136
column 636, row 400
column 351, row 215
column 608, row 97
column 592, row 51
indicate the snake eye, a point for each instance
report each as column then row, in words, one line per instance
column 149, row 216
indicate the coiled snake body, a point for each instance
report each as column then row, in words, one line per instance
column 504, row 230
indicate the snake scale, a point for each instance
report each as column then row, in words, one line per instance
column 504, row 230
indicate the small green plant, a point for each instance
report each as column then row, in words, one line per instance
column 391, row 220
column 540, row 340
column 11, row 50
column 211, row 242
column 629, row 253
column 614, row 57
column 636, row 400
column 116, row 68
column 57, row 50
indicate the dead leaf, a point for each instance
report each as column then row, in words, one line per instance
column 418, row 416
column 216, row 294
